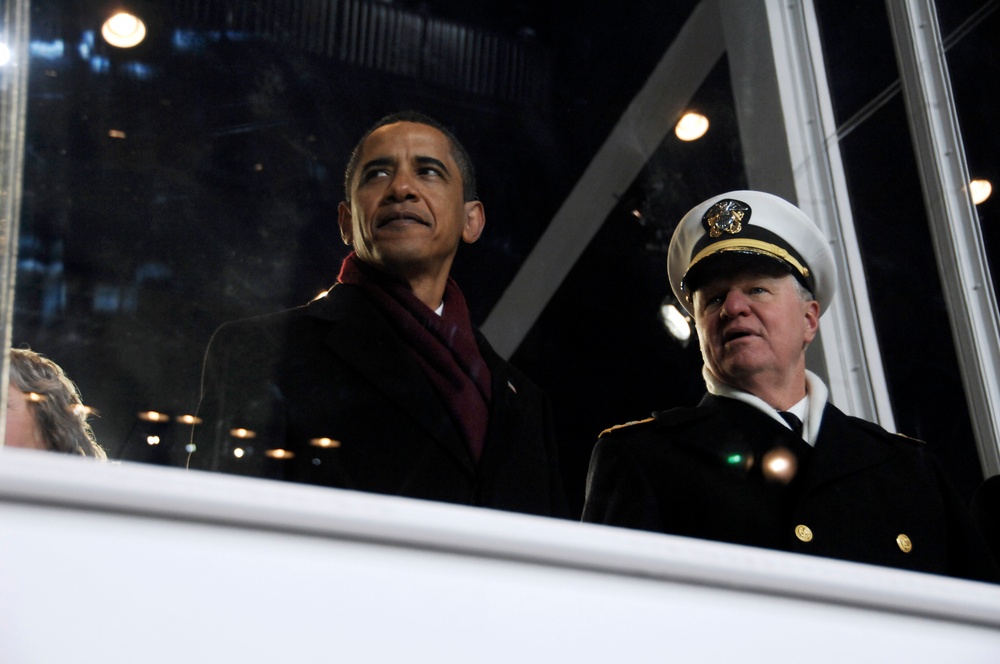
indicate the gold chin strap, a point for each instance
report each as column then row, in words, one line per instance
column 753, row 246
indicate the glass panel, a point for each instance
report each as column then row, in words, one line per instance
column 600, row 347
column 194, row 179
column 904, row 285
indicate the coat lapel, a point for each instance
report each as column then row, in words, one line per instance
column 841, row 451
column 504, row 418
column 734, row 433
column 362, row 338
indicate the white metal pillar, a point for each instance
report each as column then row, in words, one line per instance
column 13, row 107
column 788, row 134
column 958, row 242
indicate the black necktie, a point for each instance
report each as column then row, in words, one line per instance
column 793, row 422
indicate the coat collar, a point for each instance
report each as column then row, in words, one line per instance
column 723, row 426
column 363, row 339
column 846, row 446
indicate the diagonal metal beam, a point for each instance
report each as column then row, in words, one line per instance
column 648, row 118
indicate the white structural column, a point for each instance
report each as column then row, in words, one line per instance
column 648, row 118
column 13, row 106
column 958, row 242
column 788, row 134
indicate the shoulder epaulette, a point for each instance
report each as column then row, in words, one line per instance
column 683, row 416
column 876, row 429
column 910, row 439
column 633, row 423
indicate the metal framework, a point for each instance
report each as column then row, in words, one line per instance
column 13, row 106
column 958, row 242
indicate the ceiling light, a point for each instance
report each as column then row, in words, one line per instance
column 123, row 30
column 980, row 190
column 677, row 324
column 691, row 126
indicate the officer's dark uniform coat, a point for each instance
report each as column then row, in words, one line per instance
column 333, row 384
column 862, row 494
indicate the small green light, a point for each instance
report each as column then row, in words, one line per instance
column 734, row 459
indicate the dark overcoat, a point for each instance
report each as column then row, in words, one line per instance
column 862, row 494
column 334, row 387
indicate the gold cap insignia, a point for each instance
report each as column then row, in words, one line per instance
column 726, row 216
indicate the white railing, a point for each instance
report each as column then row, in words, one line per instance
column 135, row 563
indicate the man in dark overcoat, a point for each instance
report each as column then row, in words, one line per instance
column 764, row 459
column 384, row 385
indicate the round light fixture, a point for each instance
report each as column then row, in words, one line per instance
column 691, row 126
column 677, row 324
column 123, row 30
column 980, row 190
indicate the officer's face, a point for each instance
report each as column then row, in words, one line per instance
column 754, row 329
column 407, row 214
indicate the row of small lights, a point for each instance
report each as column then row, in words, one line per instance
column 238, row 433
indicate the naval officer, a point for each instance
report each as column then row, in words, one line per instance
column 764, row 459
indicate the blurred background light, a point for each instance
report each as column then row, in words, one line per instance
column 675, row 322
column 980, row 190
column 691, row 126
column 123, row 30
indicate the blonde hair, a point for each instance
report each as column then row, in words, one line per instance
column 62, row 420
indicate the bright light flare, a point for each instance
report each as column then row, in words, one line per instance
column 691, row 126
column 980, row 191
column 123, row 30
column 780, row 465
column 677, row 323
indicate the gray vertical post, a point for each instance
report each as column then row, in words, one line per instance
column 958, row 243
column 13, row 103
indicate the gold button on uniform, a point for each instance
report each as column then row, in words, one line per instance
column 904, row 543
column 803, row 533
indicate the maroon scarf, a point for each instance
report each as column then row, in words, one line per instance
column 444, row 346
